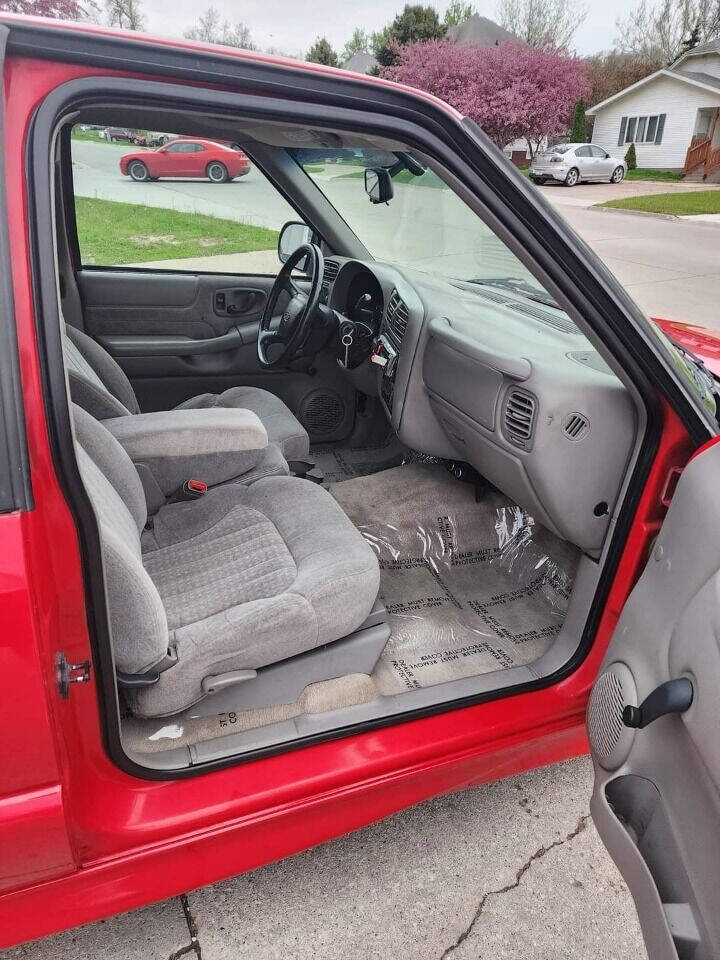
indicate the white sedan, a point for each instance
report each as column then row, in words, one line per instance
column 572, row 162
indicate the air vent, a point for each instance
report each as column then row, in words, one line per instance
column 519, row 418
column 396, row 316
column 329, row 273
column 576, row 426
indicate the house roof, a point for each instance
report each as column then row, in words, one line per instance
column 480, row 32
column 360, row 62
column 711, row 46
column 704, row 81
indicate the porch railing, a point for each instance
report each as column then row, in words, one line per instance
column 712, row 163
column 697, row 155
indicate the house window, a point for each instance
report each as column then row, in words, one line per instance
column 642, row 129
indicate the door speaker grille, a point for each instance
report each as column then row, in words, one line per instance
column 610, row 739
column 322, row 413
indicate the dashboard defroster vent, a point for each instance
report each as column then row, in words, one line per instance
column 396, row 316
column 519, row 417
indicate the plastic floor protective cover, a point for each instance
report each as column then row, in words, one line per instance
column 470, row 588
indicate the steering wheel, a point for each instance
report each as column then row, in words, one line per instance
column 293, row 326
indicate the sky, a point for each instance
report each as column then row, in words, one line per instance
column 292, row 25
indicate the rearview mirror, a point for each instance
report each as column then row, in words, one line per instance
column 292, row 236
column 378, row 185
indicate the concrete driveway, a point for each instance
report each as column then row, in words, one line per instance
column 509, row 871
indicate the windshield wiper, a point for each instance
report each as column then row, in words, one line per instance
column 519, row 286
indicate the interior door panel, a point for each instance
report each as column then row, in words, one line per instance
column 656, row 800
column 177, row 335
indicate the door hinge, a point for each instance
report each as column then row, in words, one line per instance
column 68, row 673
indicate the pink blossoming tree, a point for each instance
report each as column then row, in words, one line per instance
column 512, row 90
column 57, row 9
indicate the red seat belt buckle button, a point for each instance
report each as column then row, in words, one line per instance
column 195, row 488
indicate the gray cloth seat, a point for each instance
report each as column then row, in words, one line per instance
column 98, row 384
column 245, row 577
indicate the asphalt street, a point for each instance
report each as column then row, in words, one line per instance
column 512, row 869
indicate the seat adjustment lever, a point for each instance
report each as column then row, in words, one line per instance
column 673, row 696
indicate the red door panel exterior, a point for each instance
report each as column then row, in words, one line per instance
column 139, row 840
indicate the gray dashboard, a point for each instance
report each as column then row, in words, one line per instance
column 486, row 375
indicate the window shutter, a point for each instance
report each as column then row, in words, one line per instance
column 621, row 137
column 660, row 128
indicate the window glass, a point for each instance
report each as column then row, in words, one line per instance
column 561, row 148
column 651, row 129
column 425, row 227
column 177, row 218
column 598, row 152
column 630, row 133
column 582, row 152
column 640, row 135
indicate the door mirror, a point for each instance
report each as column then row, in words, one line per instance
column 378, row 185
column 292, row 236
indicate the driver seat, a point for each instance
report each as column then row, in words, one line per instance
column 98, row 384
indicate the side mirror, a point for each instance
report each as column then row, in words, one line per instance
column 378, row 185
column 292, row 236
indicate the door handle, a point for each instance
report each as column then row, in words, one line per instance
column 674, row 696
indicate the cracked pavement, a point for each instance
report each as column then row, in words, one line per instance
column 512, row 869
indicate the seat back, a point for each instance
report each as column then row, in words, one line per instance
column 137, row 617
column 97, row 382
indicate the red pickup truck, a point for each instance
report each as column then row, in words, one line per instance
column 281, row 554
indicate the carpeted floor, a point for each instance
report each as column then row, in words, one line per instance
column 470, row 588
column 337, row 462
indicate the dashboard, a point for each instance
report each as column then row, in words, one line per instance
column 483, row 374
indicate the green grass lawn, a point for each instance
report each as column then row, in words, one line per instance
column 112, row 233
column 94, row 135
column 678, row 204
column 652, row 175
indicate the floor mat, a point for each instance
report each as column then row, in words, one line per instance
column 337, row 462
column 470, row 587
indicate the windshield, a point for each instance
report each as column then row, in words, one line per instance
column 425, row 226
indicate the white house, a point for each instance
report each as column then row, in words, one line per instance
column 672, row 116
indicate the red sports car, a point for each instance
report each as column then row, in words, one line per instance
column 186, row 158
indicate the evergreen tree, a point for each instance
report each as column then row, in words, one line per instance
column 631, row 158
column 414, row 24
column 579, row 131
column 322, row 52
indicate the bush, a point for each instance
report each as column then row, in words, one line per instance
column 630, row 158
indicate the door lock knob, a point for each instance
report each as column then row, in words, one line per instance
column 674, row 696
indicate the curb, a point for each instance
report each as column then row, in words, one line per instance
column 636, row 213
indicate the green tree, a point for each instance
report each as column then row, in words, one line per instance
column 359, row 42
column 631, row 158
column 414, row 24
column 579, row 131
column 322, row 52
column 458, row 12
